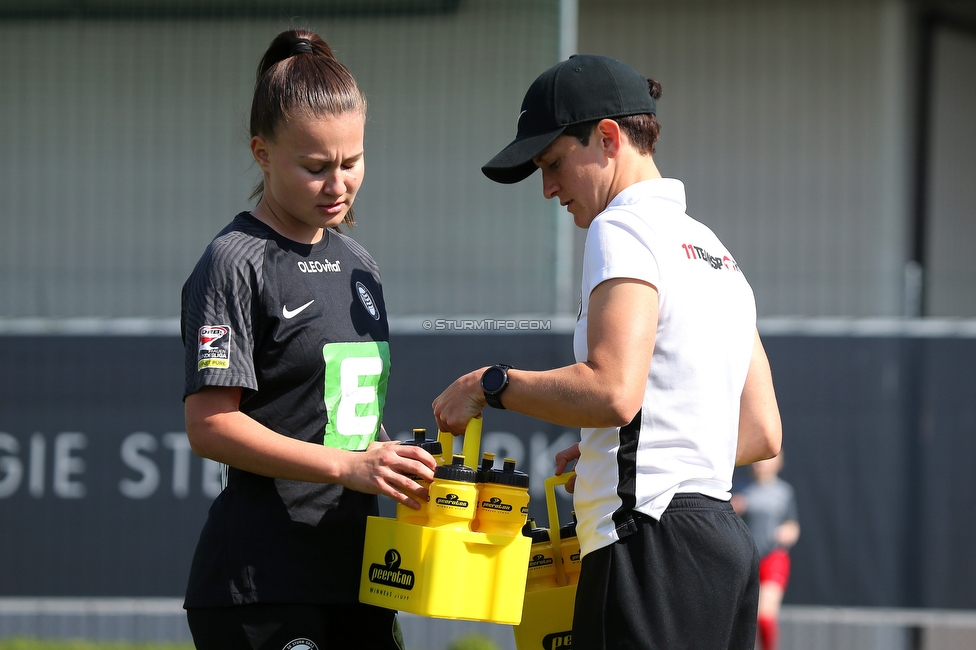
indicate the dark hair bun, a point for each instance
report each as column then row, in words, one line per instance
column 655, row 88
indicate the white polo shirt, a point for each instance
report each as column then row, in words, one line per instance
column 684, row 437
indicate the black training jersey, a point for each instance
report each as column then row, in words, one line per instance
column 302, row 328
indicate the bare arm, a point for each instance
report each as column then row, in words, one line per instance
column 787, row 533
column 218, row 430
column 604, row 391
column 760, row 427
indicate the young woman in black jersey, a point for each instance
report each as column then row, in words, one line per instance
column 287, row 359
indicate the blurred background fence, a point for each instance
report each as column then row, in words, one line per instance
column 830, row 144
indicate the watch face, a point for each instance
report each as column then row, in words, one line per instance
column 493, row 379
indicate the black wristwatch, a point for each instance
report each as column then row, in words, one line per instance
column 494, row 381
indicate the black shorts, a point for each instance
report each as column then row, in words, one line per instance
column 690, row 580
column 274, row 626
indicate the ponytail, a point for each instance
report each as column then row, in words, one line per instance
column 644, row 130
column 654, row 87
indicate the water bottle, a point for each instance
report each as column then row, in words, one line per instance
column 503, row 501
column 405, row 513
column 452, row 496
column 542, row 563
column 569, row 549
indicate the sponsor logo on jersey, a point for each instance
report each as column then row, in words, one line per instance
column 214, row 347
column 726, row 262
column 300, row 644
column 496, row 504
column 451, row 501
column 390, row 574
column 367, row 299
column 561, row 640
column 291, row 313
column 356, row 380
column 314, row 266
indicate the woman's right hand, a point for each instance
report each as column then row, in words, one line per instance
column 386, row 468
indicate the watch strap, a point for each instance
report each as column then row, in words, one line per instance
column 494, row 401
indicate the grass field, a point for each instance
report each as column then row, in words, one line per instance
column 60, row 644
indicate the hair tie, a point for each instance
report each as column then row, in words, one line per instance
column 301, row 46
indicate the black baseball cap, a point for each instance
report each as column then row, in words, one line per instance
column 582, row 88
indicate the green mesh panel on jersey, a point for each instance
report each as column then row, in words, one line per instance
column 356, row 376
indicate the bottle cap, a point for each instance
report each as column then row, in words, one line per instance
column 487, row 462
column 508, row 475
column 432, row 447
column 539, row 535
column 456, row 471
column 569, row 530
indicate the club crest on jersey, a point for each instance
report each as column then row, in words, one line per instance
column 301, row 644
column 367, row 299
column 213, row 350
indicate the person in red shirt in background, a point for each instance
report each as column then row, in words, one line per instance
column 768, row 507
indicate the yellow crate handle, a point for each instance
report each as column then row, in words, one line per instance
column 472, row 442
column 553, row 513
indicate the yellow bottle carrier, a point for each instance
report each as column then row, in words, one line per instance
column 437, row 563
column 550, row 591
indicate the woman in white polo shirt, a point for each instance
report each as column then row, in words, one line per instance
column 671, row 388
